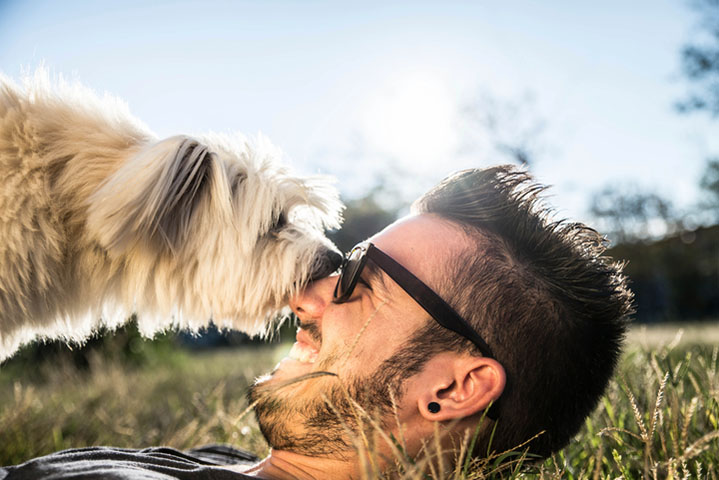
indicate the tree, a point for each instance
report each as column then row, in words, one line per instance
column 700, row 62
column 710, row 184
column 627, row 214
column 510, row 128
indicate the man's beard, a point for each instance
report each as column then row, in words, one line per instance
column 325, row 425
column 319, row 427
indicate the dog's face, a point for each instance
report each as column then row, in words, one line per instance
column 215, row 228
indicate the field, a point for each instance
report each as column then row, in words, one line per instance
column 659, row 418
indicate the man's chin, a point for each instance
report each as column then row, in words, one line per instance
column 303, row 409
column 287, row 423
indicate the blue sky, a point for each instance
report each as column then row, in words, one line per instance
column 358, row 90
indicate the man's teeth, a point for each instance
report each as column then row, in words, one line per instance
column 303, row 353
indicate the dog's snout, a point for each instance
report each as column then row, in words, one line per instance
column 335, row 259
column 329, row 261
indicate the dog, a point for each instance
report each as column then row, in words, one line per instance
column 100, row 219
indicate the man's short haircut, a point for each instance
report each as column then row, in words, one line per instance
column 553, row 309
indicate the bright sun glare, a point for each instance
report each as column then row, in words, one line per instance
column 412, row 118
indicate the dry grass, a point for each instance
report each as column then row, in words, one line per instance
column 189, row 401
column 659, row 419
column 648, row 337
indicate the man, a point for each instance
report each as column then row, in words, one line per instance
column 475, row 315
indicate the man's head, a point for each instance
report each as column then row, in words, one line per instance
column 550, row 307
column 359, row 341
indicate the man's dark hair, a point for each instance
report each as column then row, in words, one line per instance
column 553, row 309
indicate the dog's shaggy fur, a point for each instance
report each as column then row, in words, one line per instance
column 100, row 219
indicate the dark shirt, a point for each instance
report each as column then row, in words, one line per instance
column 157, row 463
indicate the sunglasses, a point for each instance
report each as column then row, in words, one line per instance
column 432, row 303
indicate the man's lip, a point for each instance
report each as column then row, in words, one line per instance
column 304, row 337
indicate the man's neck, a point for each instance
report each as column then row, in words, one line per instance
column 281, row 465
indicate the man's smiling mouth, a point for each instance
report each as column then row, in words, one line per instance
column 302, row 350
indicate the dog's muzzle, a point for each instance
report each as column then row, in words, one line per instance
column 328, row 262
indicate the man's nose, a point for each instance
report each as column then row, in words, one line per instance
column 310, row 302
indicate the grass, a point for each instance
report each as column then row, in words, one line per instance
column 185, row 400
column 658, row 419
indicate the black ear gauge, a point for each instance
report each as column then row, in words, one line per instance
column 433, row 407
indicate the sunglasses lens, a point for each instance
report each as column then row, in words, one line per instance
column 350, row 270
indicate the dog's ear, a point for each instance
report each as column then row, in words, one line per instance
column 151, row 199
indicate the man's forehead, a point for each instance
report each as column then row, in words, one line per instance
column 422, row 243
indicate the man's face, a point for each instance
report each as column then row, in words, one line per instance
column 357, row 341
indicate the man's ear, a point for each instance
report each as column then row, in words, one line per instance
column 461, row 386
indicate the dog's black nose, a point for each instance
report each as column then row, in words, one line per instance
column 329, row 261
column 335, row 259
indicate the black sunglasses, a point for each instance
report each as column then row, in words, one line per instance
column 432, row 303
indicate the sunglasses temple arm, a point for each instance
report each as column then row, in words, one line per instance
column 428, row 299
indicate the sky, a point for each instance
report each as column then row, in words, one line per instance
column 372, row 89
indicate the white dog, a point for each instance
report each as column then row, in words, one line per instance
column 100, row 219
